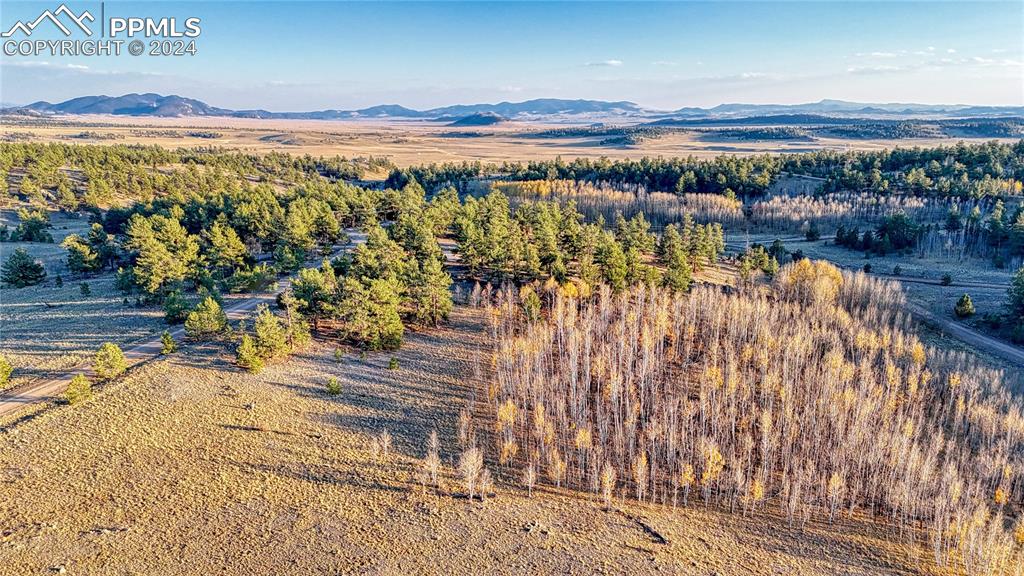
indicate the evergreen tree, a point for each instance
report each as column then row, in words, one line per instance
column 78, row 390
column 81, row 257
column 316, row 293
column 32, row 227
column 109, row 362
column 1015, row 300
column 612, row 262
column 248, row 356
column 964, row 307
column 175, row 308
column 167, row 343
column 206, row 321
column 370, row 314
column 677, row 271
column 20, row 270
column 164, row 251
column 6, row 369
column 670, row 242
column 225, row 250
column 429, row 292
column 270, row 335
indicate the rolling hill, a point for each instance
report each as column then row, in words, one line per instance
column 177, row 106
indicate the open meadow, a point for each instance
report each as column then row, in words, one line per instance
column 190, row 465
column 407, row 142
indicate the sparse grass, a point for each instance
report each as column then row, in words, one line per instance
column 173, row 446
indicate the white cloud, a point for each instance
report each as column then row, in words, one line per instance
column 873, row 69
column 950, row 51
column 875, row 54
column 664, row 63
column 1008, row 62
column 43, row 64
column 605, row 63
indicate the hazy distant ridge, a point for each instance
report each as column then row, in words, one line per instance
column 177, row 106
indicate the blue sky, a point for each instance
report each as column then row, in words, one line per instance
column 666, row 55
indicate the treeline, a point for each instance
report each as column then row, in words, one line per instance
column 77, row 177
column 540, row 239
column 728, row 175
column 964, row 170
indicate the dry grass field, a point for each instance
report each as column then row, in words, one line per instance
column 47, row 329
column 404, row 142
column 189, row 466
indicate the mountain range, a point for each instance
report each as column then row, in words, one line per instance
column 177, row 106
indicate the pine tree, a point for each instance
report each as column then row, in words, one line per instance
column 964, row 307
column 370, row 314
column 316, row 292
column 164, row 251
column 20, row 270
column 78, row 390
column 248, row 355
column 81, row 257
column 109, row 362
column 270, row 336
column 6, row 369
column 429, row 293
column 225, row 251
column 206, row 321
column 612, row 262
column 1016, row 296
column 175, row 308
column 167, row 343
column 677, row 273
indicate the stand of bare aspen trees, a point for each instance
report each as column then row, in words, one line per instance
column 812, row 395
column 605, row 200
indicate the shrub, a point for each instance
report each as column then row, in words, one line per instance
column 109, row 362
column 248, row 355
column 78, row 390
column 947, row 280
column 84, row 289
column 58, row 281
column 964, row 307
column 867, row 268
column 167, row 343
column 333, row 386
column 6, row 369
column 393, row 363
column 21, row 270
column 175, row 308
column 206, row 321
column 897, row 270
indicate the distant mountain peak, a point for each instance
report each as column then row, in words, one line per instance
column 151, row 104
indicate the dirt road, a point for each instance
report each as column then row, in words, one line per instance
column 50, row 388
column 1004, row 350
